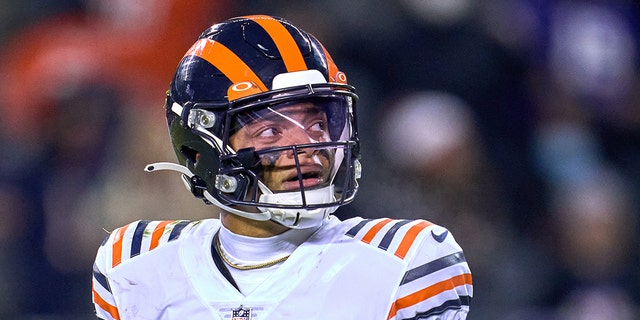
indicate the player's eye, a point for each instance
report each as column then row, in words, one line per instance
column 267, row 132
column 318, row 126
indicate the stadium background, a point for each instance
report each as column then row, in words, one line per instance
column 515, row 123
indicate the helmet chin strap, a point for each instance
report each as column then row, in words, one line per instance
column 259, row 216
column 292, row 218
column 299, row 218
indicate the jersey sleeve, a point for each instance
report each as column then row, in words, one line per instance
column 122, row 245
column 438, row 282
column 103, row 299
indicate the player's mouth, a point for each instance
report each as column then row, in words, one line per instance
column 310, row 177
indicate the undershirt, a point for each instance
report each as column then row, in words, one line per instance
column 244, row 251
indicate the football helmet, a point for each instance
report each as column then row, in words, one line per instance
column 263, row 123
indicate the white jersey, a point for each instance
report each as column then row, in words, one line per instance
column 352, row 269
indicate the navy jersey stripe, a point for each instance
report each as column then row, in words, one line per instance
column 388, row 237
column 100, row 278
column 177, row 229
column 450, row 304
column 136, row 242
column 105, row 240
column 433, row 266
column 217, row 259
column 353, row 231
column 465, row 300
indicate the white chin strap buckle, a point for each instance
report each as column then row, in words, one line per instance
column 299, row 218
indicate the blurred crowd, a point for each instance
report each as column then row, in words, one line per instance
column 514, row 123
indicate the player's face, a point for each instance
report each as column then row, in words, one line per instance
column 294, row 124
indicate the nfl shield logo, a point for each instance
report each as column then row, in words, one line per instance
column 241, row 313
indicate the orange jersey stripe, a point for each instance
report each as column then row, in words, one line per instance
column 116, row 254
column 111, row 309
column 374, row 230
column 288, row 48
column 429, row 292
column 409, row 237
column 226, row 61
column 157, row 233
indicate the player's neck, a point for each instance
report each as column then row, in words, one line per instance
column 251, row 228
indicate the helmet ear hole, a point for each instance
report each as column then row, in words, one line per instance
column 189, row 154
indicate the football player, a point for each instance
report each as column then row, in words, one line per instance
column 264, row 127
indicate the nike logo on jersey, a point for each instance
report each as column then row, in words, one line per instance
column 440, row 237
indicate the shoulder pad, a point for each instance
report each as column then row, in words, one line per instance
column 391, row 235
column 139, row 237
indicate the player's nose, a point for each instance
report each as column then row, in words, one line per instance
column 298, row 136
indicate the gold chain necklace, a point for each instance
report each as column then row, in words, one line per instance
column 249, row 267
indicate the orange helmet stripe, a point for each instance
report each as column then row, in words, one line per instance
column 285, row 43
column 226, row 61
column 332, row 69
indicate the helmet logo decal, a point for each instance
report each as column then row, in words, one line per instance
column 341, row 77
column 291, row 55
column 226, row 61
column 242, row 86
column 242, row 89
